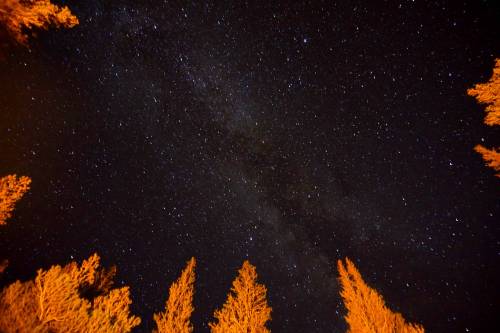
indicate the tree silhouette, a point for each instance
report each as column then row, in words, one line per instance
column 11, row 190
column 18, row 16
column 67, row 299
column 489, row 93
column 179, row 306
column 366, row 310
column 246, row 309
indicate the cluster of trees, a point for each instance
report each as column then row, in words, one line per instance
column 81, row 298
column 489, row 94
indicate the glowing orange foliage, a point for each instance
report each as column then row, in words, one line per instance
column 179, row 306
column 491, row 157
column 246, row 309
column 367, row 312
column 489, row 93
column 11, row 190
column 17, row 16
column 67, row 299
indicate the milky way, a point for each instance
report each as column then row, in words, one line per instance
column 291, row 135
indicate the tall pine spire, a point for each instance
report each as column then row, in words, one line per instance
column 246, row 309
column 179, row 306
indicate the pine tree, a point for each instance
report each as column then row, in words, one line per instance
column 17, row 16
column 72, row 298
column 489, row 93
column 491, row 157
column 366, row 310
column 246, row 309
column 12, row 190
column 179, row 306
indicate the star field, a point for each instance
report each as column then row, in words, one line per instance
column 289, row 134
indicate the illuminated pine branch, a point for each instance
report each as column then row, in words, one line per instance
column 489, row 93
column 12, row 190
column 366, row 309
column 491, row 157
column 179, row 306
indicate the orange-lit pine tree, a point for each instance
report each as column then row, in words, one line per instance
column 179, row 306
column 12, row 189
column 489, row 93
column 19, row 16
column 366, row 310
column 67, row 299
column 246, row 309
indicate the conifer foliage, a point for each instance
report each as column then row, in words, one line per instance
column 179, row 306
column 489, row 93
column 366, row 310
column 72, row 298
column 19, row 16
column 12, row 190
column 246, row 309
column 491, row 157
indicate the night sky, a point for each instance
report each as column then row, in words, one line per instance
column 291, row 135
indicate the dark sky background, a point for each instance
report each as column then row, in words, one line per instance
column 291, row 135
